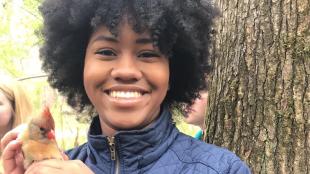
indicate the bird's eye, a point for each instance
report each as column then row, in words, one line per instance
column 42, row 129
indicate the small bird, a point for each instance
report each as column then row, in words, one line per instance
column 38, row 139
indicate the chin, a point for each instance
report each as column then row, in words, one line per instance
column 127, row 127
column 127, row 124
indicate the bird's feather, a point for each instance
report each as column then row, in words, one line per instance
column 38, row 139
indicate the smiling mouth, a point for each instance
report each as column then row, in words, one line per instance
column 125, row 94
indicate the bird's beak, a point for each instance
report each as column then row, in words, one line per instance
column 51, row 134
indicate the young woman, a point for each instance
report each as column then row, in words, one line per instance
column 128, row 62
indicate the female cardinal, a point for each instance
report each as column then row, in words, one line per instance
column 38, row 139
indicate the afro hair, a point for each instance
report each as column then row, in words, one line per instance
column 179, row 28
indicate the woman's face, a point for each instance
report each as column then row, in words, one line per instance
column 5, row 110
column 197, row 112
column 125, row 78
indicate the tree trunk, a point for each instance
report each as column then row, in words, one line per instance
column 259, row 94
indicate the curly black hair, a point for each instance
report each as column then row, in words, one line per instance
column 179, row 28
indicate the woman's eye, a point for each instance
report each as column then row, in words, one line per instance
column 148, row 55
column 106, row 52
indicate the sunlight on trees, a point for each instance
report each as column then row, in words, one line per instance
column 19, row 22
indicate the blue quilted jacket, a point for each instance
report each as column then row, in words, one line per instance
column 157, row 149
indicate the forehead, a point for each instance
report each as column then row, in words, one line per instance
column 124, row 28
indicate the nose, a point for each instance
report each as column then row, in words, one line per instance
column 126, row 69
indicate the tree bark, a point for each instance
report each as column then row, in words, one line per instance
column 259, row 94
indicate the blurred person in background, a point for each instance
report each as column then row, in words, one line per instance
column 15, row 105
column 196, row 113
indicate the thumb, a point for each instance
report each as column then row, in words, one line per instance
column 64, row 156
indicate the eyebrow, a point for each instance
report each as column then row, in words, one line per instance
column 144, row 41
column 113, row 39
column 105, row 38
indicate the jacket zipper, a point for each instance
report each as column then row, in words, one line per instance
column 113, row 152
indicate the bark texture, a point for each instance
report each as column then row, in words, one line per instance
column 259, row 99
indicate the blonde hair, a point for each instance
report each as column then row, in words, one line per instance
column 19, row 100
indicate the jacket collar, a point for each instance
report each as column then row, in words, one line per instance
column 136, row 149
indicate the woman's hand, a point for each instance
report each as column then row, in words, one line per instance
column 54, row 166
column 12, row 157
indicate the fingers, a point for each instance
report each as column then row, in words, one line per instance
column 7, row 138
column 11, row 135
column 46, row 166
column 11, row 157
column 11, row 149
column 57, row 166
column 64, row 156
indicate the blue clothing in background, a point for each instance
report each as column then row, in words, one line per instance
column 198, row 135
column 157, row 149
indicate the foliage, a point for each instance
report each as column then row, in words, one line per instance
column 19, row 20
column 184, row 127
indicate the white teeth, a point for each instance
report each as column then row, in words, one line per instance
column 125, row 94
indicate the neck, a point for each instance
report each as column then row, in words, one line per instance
column 202, row 125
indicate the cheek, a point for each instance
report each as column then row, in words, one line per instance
column 200, row 107
column 87, row 75
column 94, row 74
column 5, row 115
column 87, row 78
column 163, row 80
column 160, row 76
